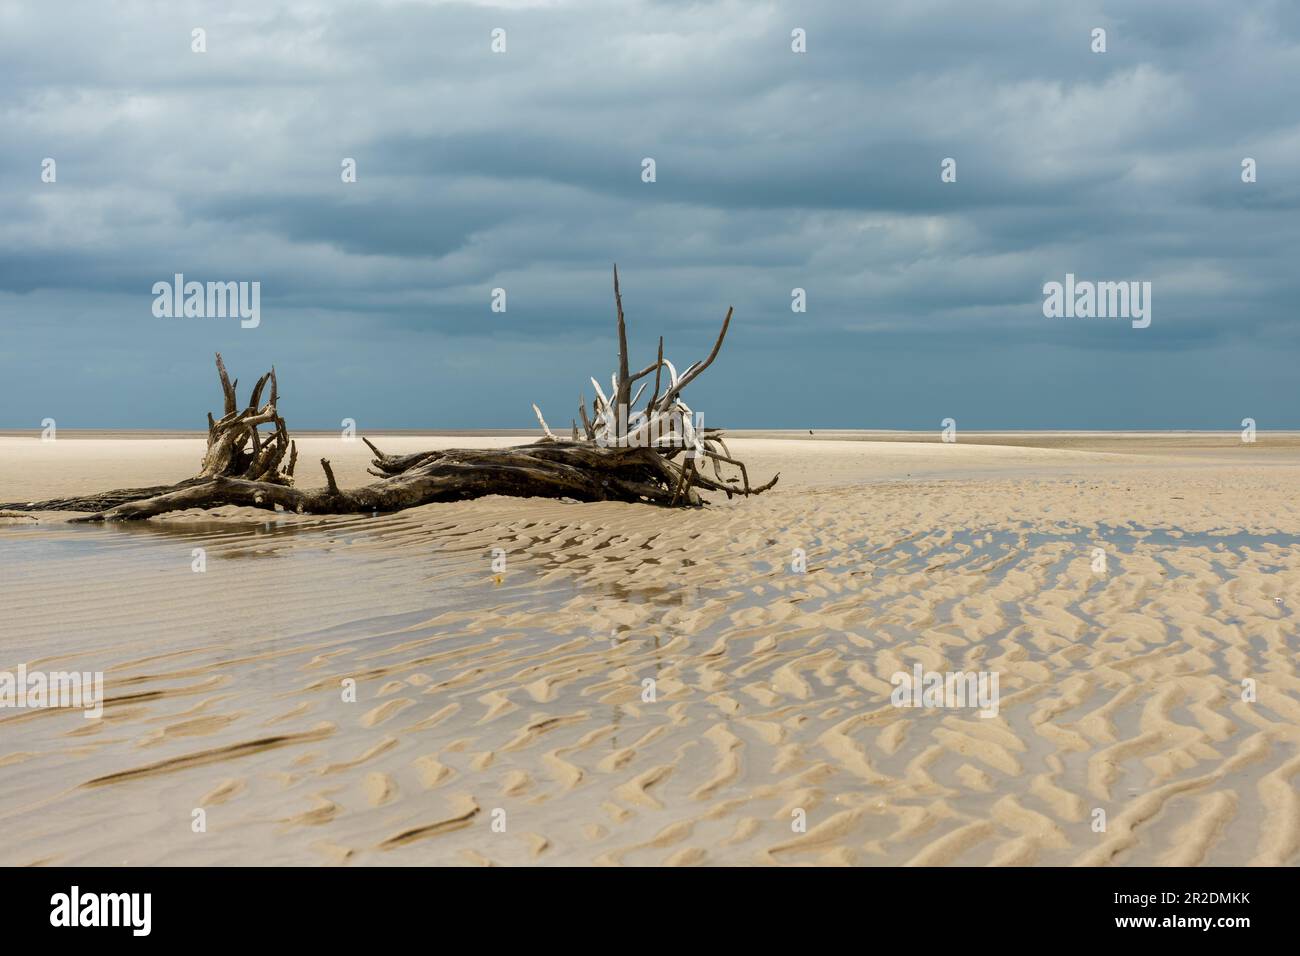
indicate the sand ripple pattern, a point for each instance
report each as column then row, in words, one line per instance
column 500, row 718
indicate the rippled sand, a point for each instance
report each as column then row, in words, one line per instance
column 501, row 717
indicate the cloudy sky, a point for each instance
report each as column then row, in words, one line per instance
column 774, row 170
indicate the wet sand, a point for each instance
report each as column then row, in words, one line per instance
column 503, row 716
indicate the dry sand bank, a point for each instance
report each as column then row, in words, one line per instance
column 84, row 462
column 522, row 692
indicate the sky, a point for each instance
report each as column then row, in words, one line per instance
column 774, row 170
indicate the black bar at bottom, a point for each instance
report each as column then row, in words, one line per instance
column 880, row 906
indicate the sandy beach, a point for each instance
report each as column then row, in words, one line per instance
column 545, row 682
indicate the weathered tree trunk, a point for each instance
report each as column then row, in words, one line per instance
column 237, row 448
column 620, row 455
column 101, row 501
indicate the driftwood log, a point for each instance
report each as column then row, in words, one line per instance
column 656, row 454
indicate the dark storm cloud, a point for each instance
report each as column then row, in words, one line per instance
column 774, row 170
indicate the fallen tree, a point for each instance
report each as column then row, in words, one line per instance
column 655, row 454
column 237, row 449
